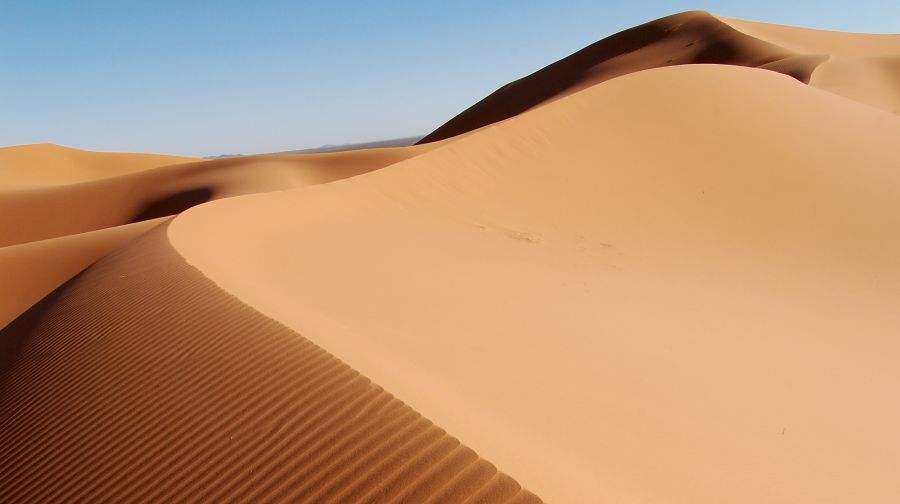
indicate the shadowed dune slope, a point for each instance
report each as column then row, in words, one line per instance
column 677, row 286
column 51, row 165
column 47, row 212
column 698, row 37
column 32, row 270
column 140, row 381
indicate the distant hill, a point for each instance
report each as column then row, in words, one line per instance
column 394, row 142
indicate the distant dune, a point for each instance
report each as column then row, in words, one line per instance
column 40, row 165
column 660, row 270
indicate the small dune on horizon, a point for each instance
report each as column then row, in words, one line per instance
column 660, row 270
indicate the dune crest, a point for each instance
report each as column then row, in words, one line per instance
column 32, row 270
column 690, row 38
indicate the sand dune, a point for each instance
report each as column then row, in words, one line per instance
column 700, row 37
column 141, row 381
column 664, row 288
column 632, row 276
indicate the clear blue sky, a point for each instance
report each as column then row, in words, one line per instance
column 214, row 77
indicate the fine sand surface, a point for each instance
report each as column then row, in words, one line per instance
column 680, row 285
column 860, row 66
column 661, row 270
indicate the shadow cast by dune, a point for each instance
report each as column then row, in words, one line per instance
column 173, row 204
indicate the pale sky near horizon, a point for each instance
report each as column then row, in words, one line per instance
column 222, row 77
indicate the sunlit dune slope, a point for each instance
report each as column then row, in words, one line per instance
column 861, row 67
column 50, row 165
column 141, row 381
column 679, row 285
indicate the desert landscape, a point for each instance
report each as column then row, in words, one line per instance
column 663, row 269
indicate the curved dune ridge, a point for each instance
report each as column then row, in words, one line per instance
column 679, row 285
column 141, row 381
column 71, row 225
column 859, row 66
column 48, row 212
column 662, row 269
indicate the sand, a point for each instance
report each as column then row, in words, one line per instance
column 74, row 224
column 32, row 270
column 141, row 381
column 662, row 270
column 40, row 213
column 49, row 165
column 861, row 66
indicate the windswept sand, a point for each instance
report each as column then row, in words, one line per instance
column 630, row 277
column 141, row 381
column 680, row 285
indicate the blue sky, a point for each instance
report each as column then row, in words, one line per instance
column 214, row 77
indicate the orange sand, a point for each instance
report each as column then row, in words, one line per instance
column 661, row 270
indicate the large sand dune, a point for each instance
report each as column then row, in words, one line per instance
column 860, row 66
column 634, row 278
column 660, row 289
